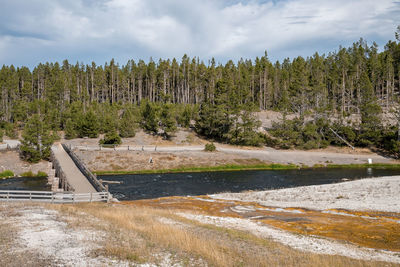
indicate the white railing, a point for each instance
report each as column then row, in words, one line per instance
column 53, row 197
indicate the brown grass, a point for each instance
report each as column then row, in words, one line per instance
column 137, row 233
column 379, row 232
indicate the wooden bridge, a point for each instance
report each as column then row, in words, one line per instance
column 72, row 178
column 75, row 182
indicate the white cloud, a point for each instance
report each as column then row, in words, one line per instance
column 88, row 30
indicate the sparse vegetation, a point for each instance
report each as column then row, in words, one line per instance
column 6, row 174
column 31, row 174
column 138, row 233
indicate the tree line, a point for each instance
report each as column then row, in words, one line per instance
column 84, row 100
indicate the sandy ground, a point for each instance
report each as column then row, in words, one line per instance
column 133, row 160
column 193, row 156
column 377, row 194
column 10, row 160
column 48, row 233
column 181, row 137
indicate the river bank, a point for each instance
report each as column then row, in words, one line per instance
column 259, row 167
column 10, row 160
column 372, row 194
column 164, row 159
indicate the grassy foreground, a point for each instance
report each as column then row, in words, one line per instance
column 138, row 234
column 233, row 167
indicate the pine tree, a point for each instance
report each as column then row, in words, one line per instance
column 150, row 117
column 111, row 138
column 244, row 130
column 88, row 125
column 70, row 131
column 370, row 111
column 185, row 117
column 127, row 125
column 37, row 140
column 167, row 121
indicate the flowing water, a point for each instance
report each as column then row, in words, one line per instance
column 25, row 183
column 147, row 186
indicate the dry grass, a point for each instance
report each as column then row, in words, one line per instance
column 141, row 234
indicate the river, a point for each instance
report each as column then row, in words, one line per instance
column 25, row 183
column 146, row 186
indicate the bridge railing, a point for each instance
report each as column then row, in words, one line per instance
column 85, row 170
column 60, row 173
column 53, row 197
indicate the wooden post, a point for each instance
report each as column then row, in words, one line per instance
column 91, row 197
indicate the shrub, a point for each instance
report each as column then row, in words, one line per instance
column 210, row 147
column 11, row 131
column 1, row 135
column 111, row 138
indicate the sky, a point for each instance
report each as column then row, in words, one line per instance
column 38, row 31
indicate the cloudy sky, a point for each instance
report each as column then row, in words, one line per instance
column 33, row 31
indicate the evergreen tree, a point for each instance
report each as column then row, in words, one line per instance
column 370, row 111
column 185, row 117
column 244, row 132
column 150, row 117
column 127, row 125
column 37, row 140
column 70, row 131
column 88, row 125
column 111, row 138
column 167, row 121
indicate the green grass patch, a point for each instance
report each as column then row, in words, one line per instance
column 360, row 166
column 31, row 174
column 230, row 167
column 233, row 167
column 6, row 174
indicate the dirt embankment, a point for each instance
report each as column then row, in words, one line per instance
column 10, row 160
column 178, row 157
column 135, row 160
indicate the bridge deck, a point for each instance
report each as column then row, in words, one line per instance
column 74, row 176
